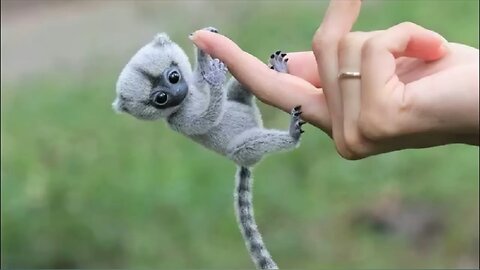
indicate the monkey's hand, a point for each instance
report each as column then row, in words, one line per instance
column 215, row 73
column 203, row 59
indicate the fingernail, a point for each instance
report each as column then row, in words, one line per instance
column 445, row 41
column 191, row 35
column 439, row 36
column 444, row 47
column 199, row 42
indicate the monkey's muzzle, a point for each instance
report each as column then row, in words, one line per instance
column 169, row 97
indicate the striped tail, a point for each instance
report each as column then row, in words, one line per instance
column 246, row 220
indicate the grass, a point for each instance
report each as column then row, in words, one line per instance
column 83, row 187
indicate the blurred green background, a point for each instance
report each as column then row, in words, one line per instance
column 83, row 187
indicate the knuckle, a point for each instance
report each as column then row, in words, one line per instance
column 347, row 154
column 322, row 43
column 371, row 47
column 350, row 40
column 344, row 150
column 407, row 25
column 340, row 146
column 355, row 144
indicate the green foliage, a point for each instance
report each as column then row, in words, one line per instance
column 83, row 187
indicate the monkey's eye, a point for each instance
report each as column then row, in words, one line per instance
column 174, row 77
column 160, row 98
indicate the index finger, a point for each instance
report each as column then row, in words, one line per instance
column 281, row 90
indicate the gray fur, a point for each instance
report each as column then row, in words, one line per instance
column 245, row 218
column 221, row 116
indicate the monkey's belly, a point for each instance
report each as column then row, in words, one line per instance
column 236, row 119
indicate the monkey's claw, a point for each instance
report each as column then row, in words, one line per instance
column 211, row 29
column 296, row 123
column 216, row 73
column 278, row 62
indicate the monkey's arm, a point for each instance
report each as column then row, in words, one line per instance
column 249, row 147
column 194, row 118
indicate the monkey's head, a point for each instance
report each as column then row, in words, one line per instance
column 155, row 81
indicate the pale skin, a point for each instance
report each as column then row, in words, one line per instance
column 416, row 89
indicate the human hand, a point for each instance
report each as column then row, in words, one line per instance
column 416, row 89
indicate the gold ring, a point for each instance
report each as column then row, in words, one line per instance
column 350, row 75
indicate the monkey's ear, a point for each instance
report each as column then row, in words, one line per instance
column 161, row 39
column 116, row 106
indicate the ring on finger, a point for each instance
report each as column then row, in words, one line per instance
column 349, row 75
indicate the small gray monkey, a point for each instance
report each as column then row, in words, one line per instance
column 158, row 82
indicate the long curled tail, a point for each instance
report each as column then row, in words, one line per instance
column 246, row 220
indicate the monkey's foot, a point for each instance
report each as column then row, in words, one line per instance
column 278, row 62
column 216, row 73
column 211, row 29
column 296, row 123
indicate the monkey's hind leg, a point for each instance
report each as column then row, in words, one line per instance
column 278, row 62
column 250, row 146
column 239, row 93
